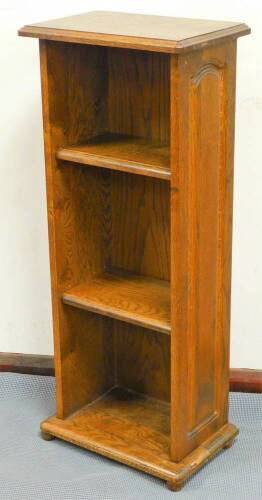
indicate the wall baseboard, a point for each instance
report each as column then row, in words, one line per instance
column 32, row 364
column 245, row 380
column 241, row 379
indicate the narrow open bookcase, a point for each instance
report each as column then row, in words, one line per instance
column 139, row 138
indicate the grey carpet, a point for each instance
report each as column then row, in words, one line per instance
column 33, row 469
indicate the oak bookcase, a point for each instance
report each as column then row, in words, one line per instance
column 139, row 138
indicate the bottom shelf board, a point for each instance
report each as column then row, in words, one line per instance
column 134, row 430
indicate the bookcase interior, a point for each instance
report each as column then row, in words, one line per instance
column 109, row 110
column 113, row 106
column 122, row 289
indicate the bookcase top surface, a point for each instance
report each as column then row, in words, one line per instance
column 137, row 31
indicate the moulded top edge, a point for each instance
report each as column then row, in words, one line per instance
column 137, row 31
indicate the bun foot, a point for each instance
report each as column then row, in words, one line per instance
column 229, row 444
column 46, row 436
column 175, row 485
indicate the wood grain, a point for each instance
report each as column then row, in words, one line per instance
column 122, row 153
column 92, row 211
column 141, row 216
column 75, row 253
column 134, row 430
column 139, row 94
column 133, row 298
column 86, row 357
column 202, row 179
column 136, row 31
column 142, row 360
column 206, row 210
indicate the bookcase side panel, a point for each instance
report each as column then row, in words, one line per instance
column 202, row 142
column 73, row 108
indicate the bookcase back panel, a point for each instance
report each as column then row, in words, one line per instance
column 77, row 91
column 81, row 205
column 141, row 224
column 94, row 90
column 142, row 360
column 98, row 212
column 139, row 94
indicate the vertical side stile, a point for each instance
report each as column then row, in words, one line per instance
column 49, row 159
column 202, row 145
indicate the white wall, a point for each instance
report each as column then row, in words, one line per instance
column 25, row 319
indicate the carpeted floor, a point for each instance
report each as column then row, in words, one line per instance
column 33, row 469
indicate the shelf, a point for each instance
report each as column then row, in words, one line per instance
column 123, row 422
column 134, row 430
column 120, row 152
column 128, row 297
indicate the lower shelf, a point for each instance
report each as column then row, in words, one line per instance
column 126, row 296
column 134, row 430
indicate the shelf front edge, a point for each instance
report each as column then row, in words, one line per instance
column 158, row 326
column 67, row 154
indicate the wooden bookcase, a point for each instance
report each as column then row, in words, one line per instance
column 139, row 136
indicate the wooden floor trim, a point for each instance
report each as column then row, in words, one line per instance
column 241, row 379
column 32, row 364
column 245, row 380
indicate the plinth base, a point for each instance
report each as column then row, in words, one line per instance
column 134, row 430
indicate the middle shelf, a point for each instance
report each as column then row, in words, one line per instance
column 121, row 152
column 129, row 297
